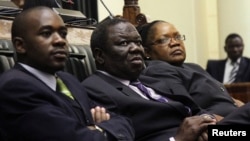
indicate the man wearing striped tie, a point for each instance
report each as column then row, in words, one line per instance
column 233, row 72
column 235, row 68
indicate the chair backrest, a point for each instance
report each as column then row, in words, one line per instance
column 76, row 66
column 7, row 59
column 240, row 91
column 80, row 62
column 84, row 64
column 5, row 63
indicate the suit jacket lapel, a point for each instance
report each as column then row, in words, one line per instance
column 241, row 71
column 80, row 102
column 221, row 70
column 169, row 93
column 129, row 92
column 118, row 85
column 52, row 92
column 73, row 91
column 21, row 68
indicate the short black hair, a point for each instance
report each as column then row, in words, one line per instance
column 99, row 36
column 144, row 31
column 19, row 25
column 231, row 36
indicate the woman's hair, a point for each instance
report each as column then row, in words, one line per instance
column 144, row 31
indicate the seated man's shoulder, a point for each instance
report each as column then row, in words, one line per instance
column 246, row 58
column 215, row 60
column 193, row 66
column 156, row 63
column 214, row 63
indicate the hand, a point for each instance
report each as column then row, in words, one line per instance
column 238, row 102
column 218, row 117
column 193, row 128
column 99, row 114
column 203, row 136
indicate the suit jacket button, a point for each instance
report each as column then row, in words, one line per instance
column 222, row 89
column 120, row 136
column 87, row 120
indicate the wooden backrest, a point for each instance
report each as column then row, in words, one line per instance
column 132, row 12
column 240, row 91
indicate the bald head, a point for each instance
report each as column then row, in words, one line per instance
column 39, row 31
column 26, row 19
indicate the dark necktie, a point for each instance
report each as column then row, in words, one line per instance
column 63, row 88
column 147, row 93
column 233, row 73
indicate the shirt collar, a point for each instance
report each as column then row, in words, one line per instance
column 123, row 81
column 237, row 61
column 47, row 78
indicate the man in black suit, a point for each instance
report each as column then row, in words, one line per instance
column 165, row 60
column 33, row 107
column 221, row 69
column 117, row 49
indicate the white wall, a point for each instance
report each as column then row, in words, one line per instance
column 234, row 16
column 181, row 16
column 205, row 22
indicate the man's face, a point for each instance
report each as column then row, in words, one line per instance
column 164, row 44
column 234, row 48
column 124, row 53
column 44, row 44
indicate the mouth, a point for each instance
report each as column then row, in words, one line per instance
column 60, row 54
column 177, row 52
column 137, row 60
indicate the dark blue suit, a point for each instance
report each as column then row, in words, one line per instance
column 193, row 81
column 216, row 69
column 31, row 111
column 153, row 121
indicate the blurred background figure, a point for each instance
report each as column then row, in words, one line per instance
column 235, row 68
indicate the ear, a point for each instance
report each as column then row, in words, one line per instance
column 19, row 45
column 225, row 48
column 99, row 56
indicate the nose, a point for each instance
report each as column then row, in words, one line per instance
column 136, row 47
column 174, row 42
column 58, row 39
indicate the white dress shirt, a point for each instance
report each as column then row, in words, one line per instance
column 48, row 79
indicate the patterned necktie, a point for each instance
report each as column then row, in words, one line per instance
column 233, row 73
column 147, row 93
column 63, row 88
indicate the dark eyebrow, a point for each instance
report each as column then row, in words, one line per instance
column 50, row 27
